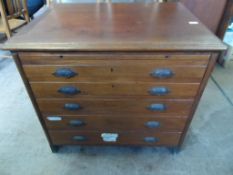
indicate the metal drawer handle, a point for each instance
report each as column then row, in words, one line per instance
column 151, row 139
column 76, row 123
column 162, row 73
column 157, row 107
column 152, row 124
column 72, row 106
column 65, row 73
column 159, row 91
column 79, row 138
column 69, row 90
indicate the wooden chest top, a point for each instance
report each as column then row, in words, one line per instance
column 116, row 27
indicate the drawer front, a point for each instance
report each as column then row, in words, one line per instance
column 113, row 123
column 81, row 58
column 117, row 71
column 114, row 138
column 154, row 90
column 114, row 106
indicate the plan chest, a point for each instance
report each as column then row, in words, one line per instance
column 115, row 74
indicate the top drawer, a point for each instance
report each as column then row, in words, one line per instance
column 121, row 67
column 43, row 58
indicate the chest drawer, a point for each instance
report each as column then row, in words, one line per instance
column 146, row 89
column 121, row 74
column 82, row 58
column 114, row 138
column 109, row 123
column 87, row 106
column 117, row 71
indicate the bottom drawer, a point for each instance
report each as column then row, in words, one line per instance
column 114, row 138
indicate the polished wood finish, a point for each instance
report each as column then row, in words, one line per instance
column 110, row 123
column 125, row 138
column 116, row 27
column 113, row 67
column 216, row 20
column 124, row 73
column 118, row 70
column 114, row 106
column 176, row 90
column 209, row 12
column 74, row 58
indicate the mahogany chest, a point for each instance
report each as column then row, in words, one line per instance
column 115, row 74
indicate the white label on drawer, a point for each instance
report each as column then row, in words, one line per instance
column 109, row 137
column 54, row 118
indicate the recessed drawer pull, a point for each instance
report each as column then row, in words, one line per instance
column 76, row 123
column 162, row 73
column 159, row 91
column 152, row 124
column 72, row 106
column 65, row 73
column 151, row 139
column 54, row 118
column 79, row 138
column 157, row 107
column 69, row 90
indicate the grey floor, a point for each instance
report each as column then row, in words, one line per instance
column 207, row 150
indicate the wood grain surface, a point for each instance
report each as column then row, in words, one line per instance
column 144, row 89
column 125, row 138
column 116, row 27
column 111, row 123
column 74, row 58
column 114, row 106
